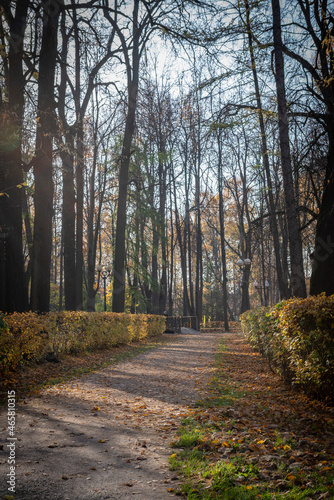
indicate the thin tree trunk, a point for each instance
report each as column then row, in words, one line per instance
column 91, row 257
column 162, row 223
column 171, row 268
column 69, row 225
column 155, row 283
column 28, row 232
column 282, row 283
column 222, row 233
column 199, row 256
column 79, row 262
column 79, row 171
column 61, row 272
column 183, row 256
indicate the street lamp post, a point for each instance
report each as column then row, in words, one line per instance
column 104, row 273
column 265, row 289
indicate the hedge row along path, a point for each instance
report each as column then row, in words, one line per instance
column 107, row 435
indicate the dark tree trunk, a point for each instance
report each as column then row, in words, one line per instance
column 91, row 239
column 171, row 256
column 222, row 232
column 93, row 231
column 183, row 255
column 12, row 289
column 28, row 231
column 144, row 262
column 245, row 301
column 42, row 242
column 282, row 282
column 119, row 259
column 162, row 223
column 79, row 226
column 155, row 282
column 199, row 256
column 188, row 253
column 61, row 272
column 69, row 225
column 79, row 171
column 298, row 286
column 322, row 278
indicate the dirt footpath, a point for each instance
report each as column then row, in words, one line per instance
column 107, row 434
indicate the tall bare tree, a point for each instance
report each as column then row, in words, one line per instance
column 42, row 239
column 298, row 286
column 12, row 289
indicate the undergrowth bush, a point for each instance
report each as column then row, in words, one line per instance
column 297, row 338
column 30, row 336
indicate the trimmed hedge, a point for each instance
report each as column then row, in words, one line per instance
column 297, row 338
column 30, row 337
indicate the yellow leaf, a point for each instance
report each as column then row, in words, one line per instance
column 260, row 442
column 286, row 447
column 172, row 456
column 291, row 477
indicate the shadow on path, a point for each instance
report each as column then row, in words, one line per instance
column 106, row 435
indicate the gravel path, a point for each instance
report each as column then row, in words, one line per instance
column 107, row 434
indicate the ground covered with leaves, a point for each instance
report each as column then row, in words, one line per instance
column 106, row 434
column 35, row 376
column 253, row 437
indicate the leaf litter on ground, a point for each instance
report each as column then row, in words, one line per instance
column 33, row 376
column 262, row 439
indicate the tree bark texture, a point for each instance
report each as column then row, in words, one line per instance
column 322, row 278
column 282, row 282
column 118, row 298
column 69, row 225
column 298, row 286
column 12, row 289
column 42, row 240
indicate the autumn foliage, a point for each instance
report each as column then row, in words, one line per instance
column 297, row 338
column 30, row 337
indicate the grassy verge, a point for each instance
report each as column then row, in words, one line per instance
column 227, row 450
